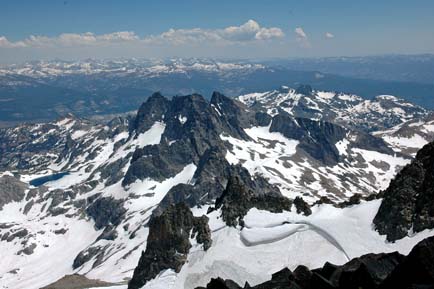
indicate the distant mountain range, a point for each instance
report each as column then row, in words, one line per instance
column 45, row 90
column 404, row 68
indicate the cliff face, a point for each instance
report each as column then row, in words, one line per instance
column 407, row 205
column 169, row 242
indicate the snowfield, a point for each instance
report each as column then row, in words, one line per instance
column 277, row 158
column 272, row 241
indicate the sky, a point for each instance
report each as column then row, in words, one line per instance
column 77, row 29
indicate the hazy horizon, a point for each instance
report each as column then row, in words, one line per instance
column 246, row 29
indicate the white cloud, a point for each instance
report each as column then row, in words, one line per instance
column 71, row 40
column 244, row 32
column 300, row 33
column 269, row 33
column 5, row 43
column 302, row 38
column 329, row 35
column 249, row 31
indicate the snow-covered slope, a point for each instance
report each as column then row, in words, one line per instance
column 296, row 172
column 270, row 242
column 384, row 111
column 410, row 136
column 50, row 217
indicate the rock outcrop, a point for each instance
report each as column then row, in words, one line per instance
column 408, row 201
column 168, row 242
column 11, row 190
column 106, row 211
column 317, row 138
column 237, row 199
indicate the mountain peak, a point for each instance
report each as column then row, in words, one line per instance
column 304, row 89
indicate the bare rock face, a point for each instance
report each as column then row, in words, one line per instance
column 408, row 201
column 301, row 206
column 11, row 190
column 192, row 129
column 317, row 138
column 106, row 211
column 238, row 198
column 169, row 242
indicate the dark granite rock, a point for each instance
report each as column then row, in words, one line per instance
column 417, row 269
column 28, row 250
column 262, row 118
column 18, row 234
column 219, row 283
column 85, row 256
column 304, row 89
column 106, row 211
column 149, row 112
column 408, row 201
column 367, row 271
column 317, row 138
column 11, row 190
column 301, row 206
column 237, row 199
column 109, row 234
column 168, row 242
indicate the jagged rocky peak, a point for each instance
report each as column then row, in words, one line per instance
column 304, row 89
column 150, row 111
column 408, row 205
column 190, row 127
column 234, row 113
column 169, row 242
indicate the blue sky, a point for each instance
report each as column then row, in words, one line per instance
column 97, row 28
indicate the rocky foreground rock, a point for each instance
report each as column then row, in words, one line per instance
column 408, row 202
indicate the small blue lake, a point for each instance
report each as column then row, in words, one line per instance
column 42, row 180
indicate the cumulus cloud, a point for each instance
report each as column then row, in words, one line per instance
column 269, row 33
column 4, row 42
column 249, row 31
column 329, row 35
column 244, row 32
column 301, row 37
column 70, row 40
column 300, row 33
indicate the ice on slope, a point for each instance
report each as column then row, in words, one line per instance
column 276, row 244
